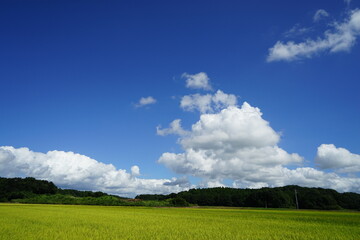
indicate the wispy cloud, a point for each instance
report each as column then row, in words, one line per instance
column 320, row 14
column 297, row 30
column 145, row 101
column 341, row 38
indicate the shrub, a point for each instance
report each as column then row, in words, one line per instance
column 179, row 202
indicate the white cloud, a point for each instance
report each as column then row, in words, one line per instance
column 339, row 159
column 145, row 101
column 198, row 102
column 72, row 170
column 208, row 103
column 341, row 38
column 320, row 14
column 175, row 128
column 238, row 144
column 135, row 171
column 231, row 129
column 230, row 144
column 197, row 81
column 305, row 176
column 211, row 183
column 182, row 182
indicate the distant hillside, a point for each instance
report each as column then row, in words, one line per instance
column 18, row 188
column 31, row 190
column 279, row 197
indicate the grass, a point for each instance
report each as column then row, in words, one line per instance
column 26, row 221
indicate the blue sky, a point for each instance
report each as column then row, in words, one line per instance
column 72, row 74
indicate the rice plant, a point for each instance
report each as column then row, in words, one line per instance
column 26, row 221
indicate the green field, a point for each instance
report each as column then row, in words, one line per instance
column 23, row 221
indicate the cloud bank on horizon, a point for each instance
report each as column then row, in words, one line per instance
column 72, row 170
column 228, row 142
column 341, row 37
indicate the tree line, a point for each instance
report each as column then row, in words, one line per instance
column 31, row 190
column 278, row 197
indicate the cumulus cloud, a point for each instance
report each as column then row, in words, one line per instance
column 341, row 38
column 238, row 144
column 175, row 128
column 182, row 182
column 135, row 171
column 145, row 101
column 304, row 176
column 197, row 81
column 72, row 170
column 347, row 2
column 208, row 103
column 211, row 183
column 230, row 144
column 338, row 159
column 320, row 14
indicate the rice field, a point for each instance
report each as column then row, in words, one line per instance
column 26, row 221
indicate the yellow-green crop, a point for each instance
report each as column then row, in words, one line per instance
column 25, row 221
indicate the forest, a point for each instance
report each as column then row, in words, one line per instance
column 31, row 190
column 279, row 197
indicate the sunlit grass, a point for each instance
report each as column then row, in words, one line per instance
column 23, row 221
